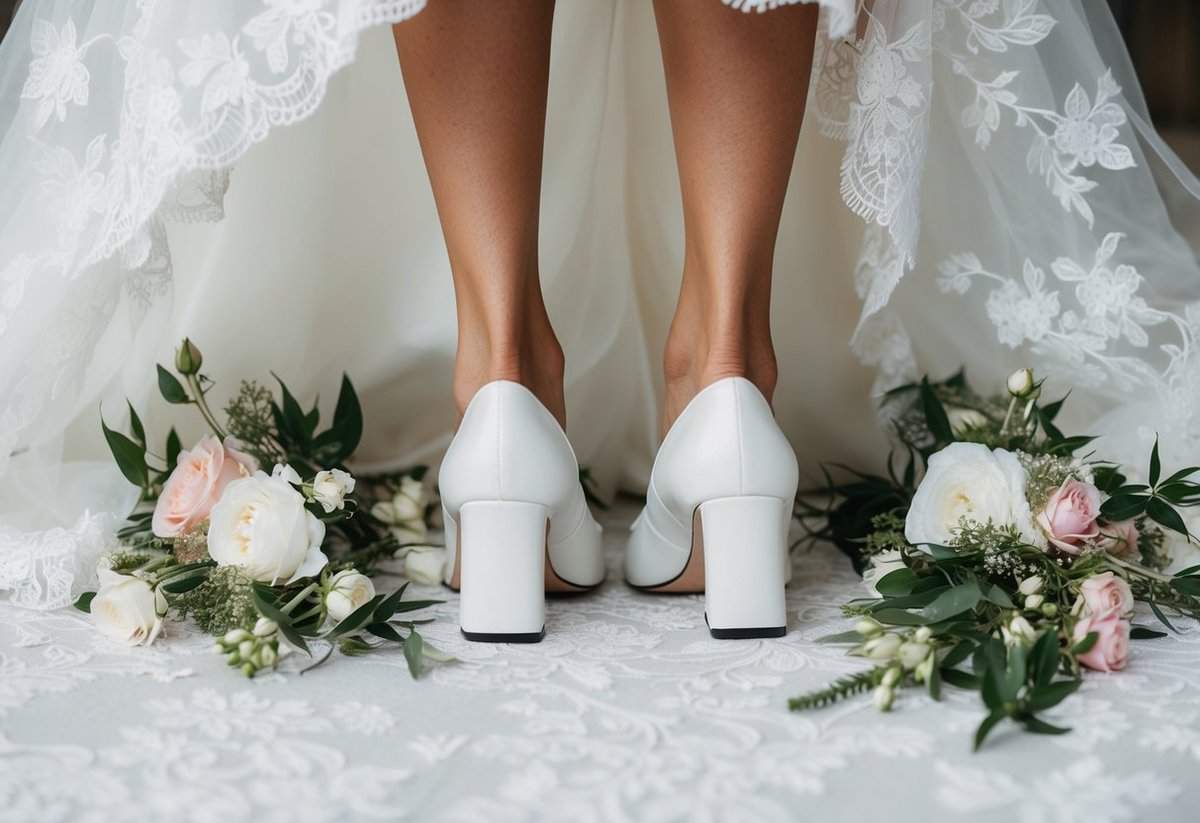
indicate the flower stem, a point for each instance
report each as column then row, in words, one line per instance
column 202, row 404
column 299, row 598
column 1140, row 570
column 1012, row 406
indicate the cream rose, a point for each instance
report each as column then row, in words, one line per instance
column 126, row 608
column 260, row 525
column 348, row 589
column 331, row 487
column 196, row 483
column 969, row 482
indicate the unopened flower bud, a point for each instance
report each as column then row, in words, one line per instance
column 883, row 647
column 891, row 677
column 1050, row 609
column 868, row 627
column 267, row 656
column 188, row 358
column 246, row 648
column 923, row 634
column 923, row 671
column 883, row 698
column 248, row 670
column 913, row 653
column 235, row 636
column 1020, row 383
column 265, row 627
column 1034, row 601
column 1031, row 585
column 233, row 658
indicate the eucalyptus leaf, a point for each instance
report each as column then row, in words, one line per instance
column 896, row 582
column 951, row 602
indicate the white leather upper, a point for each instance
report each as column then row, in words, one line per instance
column 725, row 443
column 509, row 447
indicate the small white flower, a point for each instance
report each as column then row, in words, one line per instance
column 962, row 420
column 923, row 634
column 1034, row 601
column 126, row 608
column 1019, row 631
column 260, row 525
column 912, row 654
column 425, row 565
column 883, row 698
column 286, row 473
column 1031, row 585
column 331, row 487
column 883, row 647
column 1020, row 383
column 348, row 590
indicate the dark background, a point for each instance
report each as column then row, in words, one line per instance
column 1164, row 38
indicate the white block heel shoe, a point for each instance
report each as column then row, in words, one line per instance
column 717, row 512
column 517, row 524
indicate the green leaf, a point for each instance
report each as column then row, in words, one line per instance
column 1044, row 657
column 1161, row 512
column 935, row 683
column 135, row 426
column 272, row 612
column 1182, row 473
column 1161, row 617
column 84, row 603
column 1051, row 410
column 960, row 679
column 985, row 728
column 130, row 457
column 185, row 582
column 356, row 619
column 387, row 606
column 1123, row 507
column 899, row 617
column 1190, row 570
column 841, row 637
column 1155, row 464
column 959, row 653
column 1186, row 585
column 1014, row 677
column 174, row 447
column 385, row 631
column 1032, row 724
column 897, row 582
column 293, row 415
column 952, row 602
column 935, row 414
column 1051, row 694
column 1145, row 633
column 997, row 595
column 412, row 653
column 1085, row 644
column 170, row 387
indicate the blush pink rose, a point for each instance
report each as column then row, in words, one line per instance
column 1106, row 592
column 1070, row 515
column 1111, row 649
column 1119, row 539
column 196, row 483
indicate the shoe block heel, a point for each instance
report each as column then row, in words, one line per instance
column 745, row 553
column 502, row 552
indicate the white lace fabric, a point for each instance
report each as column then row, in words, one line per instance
column 628, row 711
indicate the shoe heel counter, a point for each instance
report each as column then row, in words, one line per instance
column 766, row 460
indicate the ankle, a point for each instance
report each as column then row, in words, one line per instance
column 538, row 366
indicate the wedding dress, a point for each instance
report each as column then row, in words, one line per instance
column 1009, row 204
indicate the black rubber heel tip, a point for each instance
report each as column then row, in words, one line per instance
column 745, row 633
column 489, row 637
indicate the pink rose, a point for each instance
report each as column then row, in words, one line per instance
column 1106, row 592
column 1070, row 515
column 1119, row 539
column 1110, row 652
column 196, row 483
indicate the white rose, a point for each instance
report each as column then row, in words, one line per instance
column 348, row 589
column 881, row 565
column 331, row 487
column 285, row 472
column 126, row 608
column 260, row 525
column 426, row 565
column 967, row 481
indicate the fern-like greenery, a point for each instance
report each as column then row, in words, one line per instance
column 839, row 689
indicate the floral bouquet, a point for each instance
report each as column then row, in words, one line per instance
column 1012, row 565
column 264, row 562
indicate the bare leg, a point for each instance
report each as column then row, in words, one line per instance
column 476, row 74
column 737, row 85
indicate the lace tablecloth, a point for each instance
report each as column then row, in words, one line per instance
column 627, row 711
